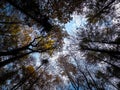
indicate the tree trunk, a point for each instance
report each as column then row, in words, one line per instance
column 3, row 63
column 102, row 50
column 14, row 51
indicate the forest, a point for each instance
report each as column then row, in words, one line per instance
column 38, row 53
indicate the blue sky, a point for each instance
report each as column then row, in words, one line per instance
column 77, row 21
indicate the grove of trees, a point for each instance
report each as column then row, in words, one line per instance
column 91, row 60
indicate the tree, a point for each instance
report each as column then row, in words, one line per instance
column 101, row 46
column 100, row 10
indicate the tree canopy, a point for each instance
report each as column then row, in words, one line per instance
column 32, row 34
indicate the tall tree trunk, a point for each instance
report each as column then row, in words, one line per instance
column 15, row 51
column 2, row 22
column 116, row 52
column 3, row 63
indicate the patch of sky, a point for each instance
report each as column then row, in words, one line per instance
column 37, row 58
column 76, row 22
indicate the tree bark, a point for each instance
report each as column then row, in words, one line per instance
column 14, row 51
column 102, row 50
column 3, row 63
